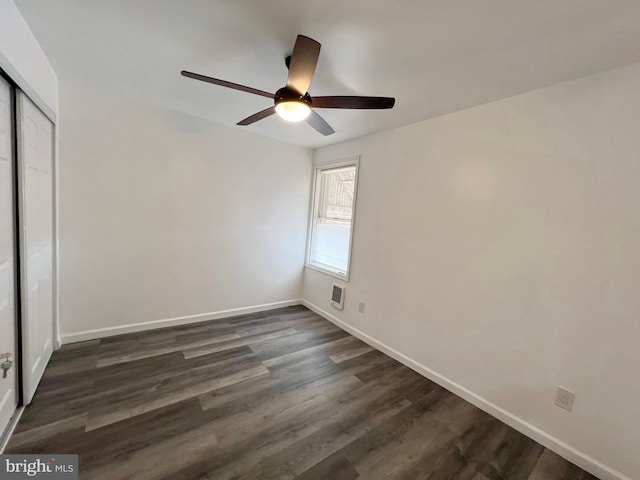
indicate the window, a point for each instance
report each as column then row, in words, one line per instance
column 331, row 223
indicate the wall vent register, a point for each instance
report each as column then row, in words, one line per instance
column 337, row 296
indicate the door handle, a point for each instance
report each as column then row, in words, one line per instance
column 6, row 364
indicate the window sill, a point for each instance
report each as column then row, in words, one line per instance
column 328, row 271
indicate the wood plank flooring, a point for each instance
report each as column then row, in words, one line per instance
column 282, row 394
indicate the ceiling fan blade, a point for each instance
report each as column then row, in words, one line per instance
column 353, row 102
column 223, row 83
column 319, row 123
column 258, row 116
column 304, row 59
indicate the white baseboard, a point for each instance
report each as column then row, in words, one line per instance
column 13, row 423
column 170, row 322
column 566, row 451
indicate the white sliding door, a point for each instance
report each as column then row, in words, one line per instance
column 35, row 173
column 8, row 344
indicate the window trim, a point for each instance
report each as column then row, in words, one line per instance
column 352, row 161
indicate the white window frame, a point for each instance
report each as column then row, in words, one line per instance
column 353, row 161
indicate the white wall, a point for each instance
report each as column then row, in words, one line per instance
column 164, row 215
column 24, row 61
column 497, row 247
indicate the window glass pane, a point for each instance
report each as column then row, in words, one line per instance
column 332, row 224
column 337, row 188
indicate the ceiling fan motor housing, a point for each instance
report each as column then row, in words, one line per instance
column 286, row 95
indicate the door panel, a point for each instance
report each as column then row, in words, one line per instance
column 35, row 147
column 8, row 385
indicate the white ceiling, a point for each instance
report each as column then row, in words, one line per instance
column 434, row 56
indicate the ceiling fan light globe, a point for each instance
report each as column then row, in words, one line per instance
column 293, row 110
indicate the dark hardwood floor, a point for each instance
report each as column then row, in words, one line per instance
column 276, row 395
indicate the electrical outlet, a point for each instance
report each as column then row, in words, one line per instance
column 361, row 307
column 564, row 398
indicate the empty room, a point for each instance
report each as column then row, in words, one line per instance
column 320, row 240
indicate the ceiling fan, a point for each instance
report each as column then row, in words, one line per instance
column 292, row 102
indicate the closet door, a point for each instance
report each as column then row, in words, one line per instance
column 35, row 174
column 8, row 384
